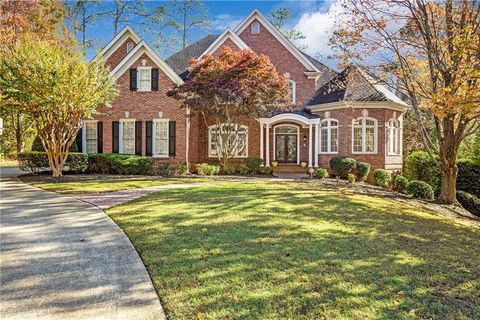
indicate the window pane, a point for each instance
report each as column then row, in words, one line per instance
column 286, row 129
column 324, row 140
column 357, row 139
column 369, row 122
column 333, row 123
column 333, row 140
column 144, row 76
column 370, row 139
column 128, row 137
column 161, row 138
column 91, row 137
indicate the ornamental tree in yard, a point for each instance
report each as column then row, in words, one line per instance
column 54, row 84
column 229, row 88
column 431, row 51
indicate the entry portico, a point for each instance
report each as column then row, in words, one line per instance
column 286, row 128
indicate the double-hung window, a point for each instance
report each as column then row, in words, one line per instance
column 160, row 137
column 90, row 136
column 329, row 136
column 393, row 137
column 292, row 86
column 127, row 136
column 144, row 79
column 236, row 143
column 364, row 135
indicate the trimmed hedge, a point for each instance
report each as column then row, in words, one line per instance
column 253, row 165
column 35, row 161
column 113, row 163
column 266, row 170
column 468, row 178
column 419, row 189
column 342, row 166
column 381, row 178
column 469, row 202
column 205, row 169
column 228, row 171
column 363, row 169
column 400, row 183
column 321, row 173
column 419, row 166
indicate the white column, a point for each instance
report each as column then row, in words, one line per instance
column 310, row 141
column 261, row 141
column 316, row 145
column 267, row 136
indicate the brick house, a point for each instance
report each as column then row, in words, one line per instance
column 346, row 113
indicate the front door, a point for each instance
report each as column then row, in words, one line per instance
column 286, row 148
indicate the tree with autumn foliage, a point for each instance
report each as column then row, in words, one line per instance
column 431, row 51
column 229, row 88
column 57, row 87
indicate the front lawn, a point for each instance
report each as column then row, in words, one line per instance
column 269, row 250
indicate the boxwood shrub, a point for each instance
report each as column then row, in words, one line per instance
column 266, row 170
column 253, row 164
column 363, row 169
column 342, row 166
column 400, row 183
column 470, row 202
column 113, row 163
column 205, row 169
column 419, row 189
column 381, row 178
column 321, row 173
column 419, row 166
column 35, row 161
column 468, row 178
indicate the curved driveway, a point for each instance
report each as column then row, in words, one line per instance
column 64, row 259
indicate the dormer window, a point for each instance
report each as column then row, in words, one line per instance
column 255, row 28
column 129, row 47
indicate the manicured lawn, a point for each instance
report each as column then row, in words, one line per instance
column 269, row 250
column 109, row 185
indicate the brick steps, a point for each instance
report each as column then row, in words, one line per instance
column 289, row 169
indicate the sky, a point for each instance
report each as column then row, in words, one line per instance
column 315, row 19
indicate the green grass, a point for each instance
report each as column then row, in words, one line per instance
column 296, row 251
column 110, row 185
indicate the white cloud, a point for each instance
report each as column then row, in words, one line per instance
column 317, row 26
column 221, row 21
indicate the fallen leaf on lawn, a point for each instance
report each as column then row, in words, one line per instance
column 401, row 293
column 204, row 229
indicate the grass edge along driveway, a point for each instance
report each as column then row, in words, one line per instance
column 296, row 251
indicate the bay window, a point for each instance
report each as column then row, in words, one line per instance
column 364, row 135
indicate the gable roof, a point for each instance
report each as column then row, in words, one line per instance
column 136, row 53
column 278, row 35
column 354, row 85
column 179, row 61
column 227, row 34
column 117, row 41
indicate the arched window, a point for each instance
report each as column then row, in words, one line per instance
column 129, row 47
column 255, row 28
column 364, row 135
column 232, row 138
column 329, row 136
column 293, row 90
column 393, row 140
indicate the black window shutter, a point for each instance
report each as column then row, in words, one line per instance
column 148, row 141
column 115, row 137
column 79, row 140
column 154, row 79
column 171, row 138
column 133, row 79
column 100, row 137
column 138, row 138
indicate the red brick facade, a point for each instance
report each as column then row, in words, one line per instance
column 145, row 106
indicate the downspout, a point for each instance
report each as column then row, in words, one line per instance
column 187, row 135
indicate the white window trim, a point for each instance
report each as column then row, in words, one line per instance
column 210, row 141
column 154, row 137
column 84, row 135
column 329, row 135
column 294, row 90
column 120, row 133
column 275, row 139
column 364, row 135
column 138, row 78
column 255, row 28
column 389, row 141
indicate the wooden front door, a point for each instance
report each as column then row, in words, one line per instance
column 286, row 148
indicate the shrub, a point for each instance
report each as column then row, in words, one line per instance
column 205, row 169
column 363, row 169
column 35, row 161
column 112, row 163
column 341, row 166
column 37, row 144
column 419, row 189
column 400, row 183
column 253, row 164
column 229, row 171
column 470, row 202
column 162, row 169
column 181, row 169
column 419, row 166
column 321, row 173
column 468, row 178
column 244, row 170
column 266, row 170
column 77, row 162
column 381, row 178
column 351, row 178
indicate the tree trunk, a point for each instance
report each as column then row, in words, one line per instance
column 19, row 133
column 448, row 187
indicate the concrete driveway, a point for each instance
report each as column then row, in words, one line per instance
column 64, row 259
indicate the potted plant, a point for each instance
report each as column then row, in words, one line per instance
column 303, row 164
column 274, row 163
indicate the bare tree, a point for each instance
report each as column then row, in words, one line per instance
column 82, row 14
